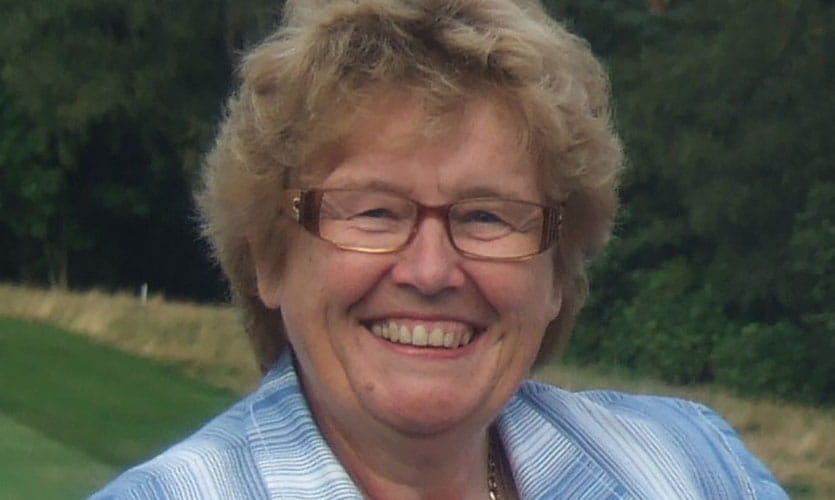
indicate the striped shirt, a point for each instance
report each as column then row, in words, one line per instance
column 598, row 445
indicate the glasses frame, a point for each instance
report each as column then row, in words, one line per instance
column 303, row 206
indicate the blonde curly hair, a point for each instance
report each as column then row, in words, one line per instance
column 301, row 86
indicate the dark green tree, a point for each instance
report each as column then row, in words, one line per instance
column 107, row 107
column 721, row 268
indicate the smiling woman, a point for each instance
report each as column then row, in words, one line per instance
column 403, row 197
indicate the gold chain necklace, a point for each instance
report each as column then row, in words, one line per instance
column 492, row 475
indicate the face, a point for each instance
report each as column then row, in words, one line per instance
column 335, row 303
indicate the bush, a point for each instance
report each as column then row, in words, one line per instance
column 780, row 360
column 668, row 329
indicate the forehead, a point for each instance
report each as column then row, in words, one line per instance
column 470, row 148
column 463, row 145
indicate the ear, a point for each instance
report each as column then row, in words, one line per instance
column 267, row 274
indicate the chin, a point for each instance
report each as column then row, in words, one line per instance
column 428, row 411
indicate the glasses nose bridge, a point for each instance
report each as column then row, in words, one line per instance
column 440, row 212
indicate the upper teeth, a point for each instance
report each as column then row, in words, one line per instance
column 421, row 336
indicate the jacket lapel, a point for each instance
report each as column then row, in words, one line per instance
column 291, row 455
column 561, row 445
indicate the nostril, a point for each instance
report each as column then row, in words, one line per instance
column 429, row 270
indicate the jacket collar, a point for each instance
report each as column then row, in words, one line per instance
column 563, row 445
column 291, row 455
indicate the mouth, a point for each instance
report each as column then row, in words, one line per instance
column 445, row 334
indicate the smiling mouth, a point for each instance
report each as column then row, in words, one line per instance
column 422, row 335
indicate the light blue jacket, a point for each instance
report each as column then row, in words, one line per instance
column 561, row 445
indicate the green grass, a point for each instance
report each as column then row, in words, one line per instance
column 33, row 466
column 112, row 407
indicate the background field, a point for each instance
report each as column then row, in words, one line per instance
column 78, row 404
column 34, row 466
column 73, row 412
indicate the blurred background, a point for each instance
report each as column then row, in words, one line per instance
column 719, row 283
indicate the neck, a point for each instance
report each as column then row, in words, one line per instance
column 385, row 463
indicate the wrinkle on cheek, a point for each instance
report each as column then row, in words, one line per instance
column 519, row 325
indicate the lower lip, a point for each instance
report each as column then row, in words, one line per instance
column 428, row 352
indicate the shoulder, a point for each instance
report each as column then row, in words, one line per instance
column 622, row 412
column 673, row 436
column 214, row 462
column 265, row 446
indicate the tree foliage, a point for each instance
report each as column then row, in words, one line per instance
column 106, row 107
column 722, row 267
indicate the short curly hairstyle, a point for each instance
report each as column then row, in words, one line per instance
column 301, row 86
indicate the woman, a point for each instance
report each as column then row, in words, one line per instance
column 403, row 196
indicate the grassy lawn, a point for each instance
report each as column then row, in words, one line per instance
column 86, row 403
column 33, row 466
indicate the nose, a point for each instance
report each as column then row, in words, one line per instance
column 429, row 263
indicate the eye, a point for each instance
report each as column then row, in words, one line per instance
column 481, row 217
column 378, row 213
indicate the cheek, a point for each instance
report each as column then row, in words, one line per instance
column 523, row 292
column 348, row 277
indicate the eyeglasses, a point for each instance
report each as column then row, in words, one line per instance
column 374, row 221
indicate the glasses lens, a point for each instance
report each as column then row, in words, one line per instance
column 496, row 228
column 365, row 220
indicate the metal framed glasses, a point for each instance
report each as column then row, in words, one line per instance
column 374, row 221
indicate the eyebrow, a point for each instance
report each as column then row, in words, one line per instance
column 378, row 185
column 478, row 191
column 484, row 192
